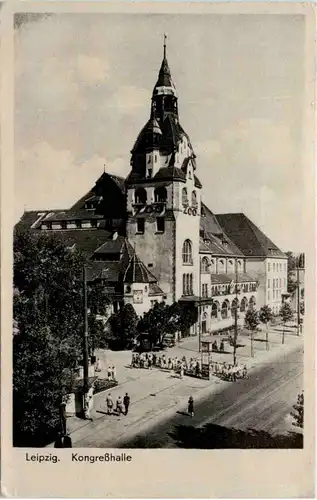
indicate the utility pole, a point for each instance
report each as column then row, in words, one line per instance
column 199, row 308
column 85, row 333
column 298, row 301
column 235, row 336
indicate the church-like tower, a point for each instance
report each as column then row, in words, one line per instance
column 164, row 195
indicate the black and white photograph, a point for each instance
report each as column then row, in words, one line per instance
column 159, row 239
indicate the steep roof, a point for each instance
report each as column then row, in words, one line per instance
column 170, row 173
column 164, row 78
column 108, row 271
column 247, row 236
column 154, row 290
column 136, row 272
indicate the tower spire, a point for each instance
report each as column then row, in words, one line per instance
column 165, row 38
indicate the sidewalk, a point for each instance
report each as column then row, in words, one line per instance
column 157, row 394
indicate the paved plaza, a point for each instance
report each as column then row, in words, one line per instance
column 157, row 394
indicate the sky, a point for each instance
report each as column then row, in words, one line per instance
column 83, row 85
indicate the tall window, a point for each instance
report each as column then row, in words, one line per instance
column 160, row 224
column 187, row 284
column 273, row 267
column 194, row 199
column 212, row 266
column 160, row 194
column 268, row 266
column 268, row 283
column 187, row 252
column 184, row 197
column 204, row 265
column 140, row 196
column 140, row 225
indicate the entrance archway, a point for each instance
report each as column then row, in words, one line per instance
column 224, row 310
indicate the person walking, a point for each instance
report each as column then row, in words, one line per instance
column 68, row 441
column 98, row 365
column 191, row 406
column 109, row 402
column 114, row 374
column 119, row 408
column 126, row 402
column 181, row 371
column 87, row 410
column 109, row 373
column 59, row 441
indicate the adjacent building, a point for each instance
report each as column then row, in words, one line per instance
column 150, row 237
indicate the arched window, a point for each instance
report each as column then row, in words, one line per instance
column 230, row 267
column 252, row 302
column 140, row 196
column 184, row 197
column 234, row 307
column 214, row 310
column 243, row 305
column 212, row 266
column 204, row 265
column 160, row 194
column 239, row 266
column 187, row 252
column 194, row 199
column 221, row 266
column 224, row 310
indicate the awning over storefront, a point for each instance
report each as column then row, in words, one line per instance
column 195, row 300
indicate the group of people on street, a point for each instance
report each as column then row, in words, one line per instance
column 229, row 372
column 180, row 365
column 215, row 348
column 122, row 405
column 112, row 373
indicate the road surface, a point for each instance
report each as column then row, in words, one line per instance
column 251, row 413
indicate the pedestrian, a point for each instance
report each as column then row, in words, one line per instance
column 68, row 441
column 109, row 373
column 119, row 408
column 222, row 346
column 59, row 441
column 113, row 373
column 109, row 402
column 197, row 369
column 98, row 365
column 154, row 359
column 87, row 410
column 126, row 402
column 181, row 372
column 245, row 372
column 62, row 417
column 191, row 406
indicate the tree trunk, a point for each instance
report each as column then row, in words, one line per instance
column 283, row 335
column 267, row 338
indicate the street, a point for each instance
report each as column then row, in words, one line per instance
column 251, row 413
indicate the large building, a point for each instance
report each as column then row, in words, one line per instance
column 150, row 237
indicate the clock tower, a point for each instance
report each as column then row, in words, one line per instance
column 164, row 195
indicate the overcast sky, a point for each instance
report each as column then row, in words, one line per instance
column 83, row 89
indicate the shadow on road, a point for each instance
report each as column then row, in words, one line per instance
column 217, row 437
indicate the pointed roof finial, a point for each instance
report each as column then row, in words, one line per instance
column 104, row 168
column 165, row 38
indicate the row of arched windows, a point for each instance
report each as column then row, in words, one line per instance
column 185, row 201
column 210, row 266
column 160, row 195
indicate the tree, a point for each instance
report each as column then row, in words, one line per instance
column 48, row 321
column 159, row 321
column 302, row 308
column 265, row 316
column 251, row 321
column 286, row 314
column 124, row 326
column 298, row 413
column 291, row 266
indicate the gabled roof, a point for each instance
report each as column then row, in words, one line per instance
column 107, row 271
column 208, row 221
column 33, row 218
column 119, row 181
column 154, row 290
column 247, row 236
column 111, row 246
column 136, row 272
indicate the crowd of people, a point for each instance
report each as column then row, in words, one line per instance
column 184, row 366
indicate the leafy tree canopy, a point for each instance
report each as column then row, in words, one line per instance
column 265, row 314
column 251, row 320
column 286, row 312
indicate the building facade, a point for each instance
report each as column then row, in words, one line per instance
column 150, row 237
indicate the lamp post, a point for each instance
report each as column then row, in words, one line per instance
column 199, row 308
column 235, row 335
column 85, row 332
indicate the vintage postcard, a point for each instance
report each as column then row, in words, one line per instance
column 158, row 256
